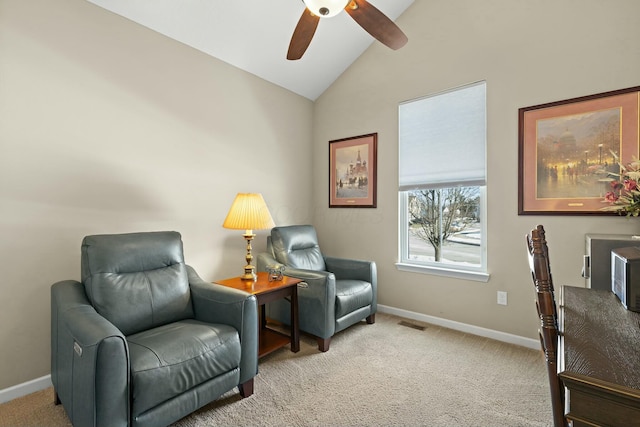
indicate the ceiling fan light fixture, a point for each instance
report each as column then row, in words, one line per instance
column 326, row 8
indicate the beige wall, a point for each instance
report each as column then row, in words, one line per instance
column 529, row 53
column 108, row 127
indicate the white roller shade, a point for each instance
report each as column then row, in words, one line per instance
column 443, row 139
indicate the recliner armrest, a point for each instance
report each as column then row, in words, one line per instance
column 356, row 270
column 89, row 359
column 214, row 303
column 309, row 275
column 316, row 300
column 345, row 268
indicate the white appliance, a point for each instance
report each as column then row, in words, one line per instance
column 596, row 268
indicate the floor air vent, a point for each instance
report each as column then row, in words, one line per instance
column 412, row 325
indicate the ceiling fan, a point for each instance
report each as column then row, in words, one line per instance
column 366, row 15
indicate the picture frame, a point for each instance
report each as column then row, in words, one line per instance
column 353, row 172
column 569, row 152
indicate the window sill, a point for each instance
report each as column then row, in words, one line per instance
column 447, row 272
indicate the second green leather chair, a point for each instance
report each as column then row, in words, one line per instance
column 339, row 292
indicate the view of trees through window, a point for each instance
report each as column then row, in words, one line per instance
column 444, row 225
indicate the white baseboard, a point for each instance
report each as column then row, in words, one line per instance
column 25, row 388
column 463, row 327
column 44, row 382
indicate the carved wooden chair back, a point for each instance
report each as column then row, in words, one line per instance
column 538, row 254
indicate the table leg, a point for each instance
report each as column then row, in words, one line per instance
column 295, row 326
column 263, row 316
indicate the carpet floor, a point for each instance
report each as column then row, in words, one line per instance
column 386, row 374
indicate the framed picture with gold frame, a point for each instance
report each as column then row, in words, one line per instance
column 570, row 151
column 353, row 172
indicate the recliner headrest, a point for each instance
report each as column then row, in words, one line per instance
column 136, row 280
column 297, row 246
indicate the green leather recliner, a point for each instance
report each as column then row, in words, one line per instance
column 144, row 341
column 338, row 293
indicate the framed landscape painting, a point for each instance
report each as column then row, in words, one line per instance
column 570, row 151
column 352, row 172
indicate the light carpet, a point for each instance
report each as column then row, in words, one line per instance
column 384, row 374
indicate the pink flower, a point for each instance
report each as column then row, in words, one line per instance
column 611, row 197
column 630, row 184
column 624, row 194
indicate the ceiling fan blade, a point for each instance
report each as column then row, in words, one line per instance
column 302, row 35
column 377, row 24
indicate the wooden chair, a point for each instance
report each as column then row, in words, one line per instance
column 547, row 311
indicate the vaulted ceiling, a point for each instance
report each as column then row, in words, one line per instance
column 254, row 35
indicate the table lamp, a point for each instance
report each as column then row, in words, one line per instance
column 248, row 212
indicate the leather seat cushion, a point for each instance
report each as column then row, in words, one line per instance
column 168, row 360
column 352, row 295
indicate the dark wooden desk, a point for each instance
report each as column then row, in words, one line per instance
column 599, row 358
column 265, row 292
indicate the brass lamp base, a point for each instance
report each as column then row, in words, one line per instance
column 249, row 273
column 249, row 270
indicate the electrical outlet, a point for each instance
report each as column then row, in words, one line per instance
column 502, row 298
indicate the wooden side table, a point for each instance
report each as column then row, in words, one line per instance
column 265, row 292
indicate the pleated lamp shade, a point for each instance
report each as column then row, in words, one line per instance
column 248, row 212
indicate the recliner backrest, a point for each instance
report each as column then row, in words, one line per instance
column 297, row 246
column 137, row 281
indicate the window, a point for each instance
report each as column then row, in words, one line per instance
column 442, row 191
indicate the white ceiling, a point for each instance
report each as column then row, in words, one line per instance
column 254, row 35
